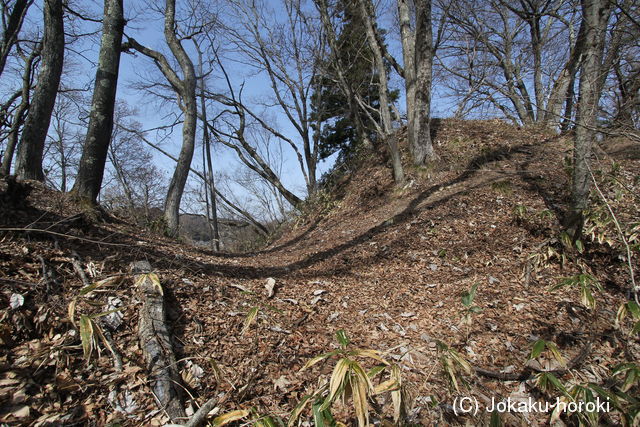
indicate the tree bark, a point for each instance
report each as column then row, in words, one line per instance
column 567, row 121
column 188, row 95
column 563, row 84
column 595, row 14
column 423, row 148
column 536, row 47
column 408, row 54
column 94, row 154
column 34, row 133
column 417, row 51
column 185, row 89
column 368, row 17
column 155, row 341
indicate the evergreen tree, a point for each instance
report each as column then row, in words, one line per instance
column 329, row 104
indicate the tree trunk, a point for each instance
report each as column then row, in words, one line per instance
column 209, row 184
column 311, row 159
column 629, row 89
column 595, row 14
column 422, row 146
column 408, row 54
column 188, row 95
column 562, row 88
column 34, row 133
column 12, row 28
column 212, row 192
column 179, row 178
column 94, row 154
column 567, row 122
column 417, row 51
column 19, row 115
column 156, row 343
column 368, row 16
column 63, row 164
column 536, row 47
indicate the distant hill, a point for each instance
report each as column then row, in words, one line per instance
column 234, row 234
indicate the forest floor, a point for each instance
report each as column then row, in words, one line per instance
column 386, row 265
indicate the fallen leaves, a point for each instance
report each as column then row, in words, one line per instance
column 395, row 288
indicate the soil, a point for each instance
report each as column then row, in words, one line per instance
column 387, row 265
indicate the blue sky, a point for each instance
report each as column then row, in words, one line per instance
column 147, row 29
column 146, row 26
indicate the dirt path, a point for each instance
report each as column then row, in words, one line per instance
column 387, row 266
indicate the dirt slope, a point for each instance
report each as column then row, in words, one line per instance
column 386, row 265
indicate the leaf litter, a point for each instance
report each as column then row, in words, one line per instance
column 402, row 261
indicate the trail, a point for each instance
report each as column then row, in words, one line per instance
column 386, row 265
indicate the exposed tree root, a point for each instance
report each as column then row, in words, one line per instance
column 201, row 415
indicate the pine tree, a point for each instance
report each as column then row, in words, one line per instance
column 329, row 104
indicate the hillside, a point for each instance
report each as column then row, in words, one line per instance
column 386, row 265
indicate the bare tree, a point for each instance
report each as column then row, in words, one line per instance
column 418, row 51
column 230, row 128
column 20, row 112
column 283, row 44
column 562, row 91
column 207, row 163
column 622, row 90
column 367, row 13
column 64, row 144
column 94, row 155
column 261, row 197
column 30, row 150
column 185, row 89
column 627, row 79
column 134, row 183
column 516, row 47
column 230, row 204
column 125, row 156
column 595, row 15
column 12, row 14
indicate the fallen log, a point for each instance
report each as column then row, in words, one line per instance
column 155, row 342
